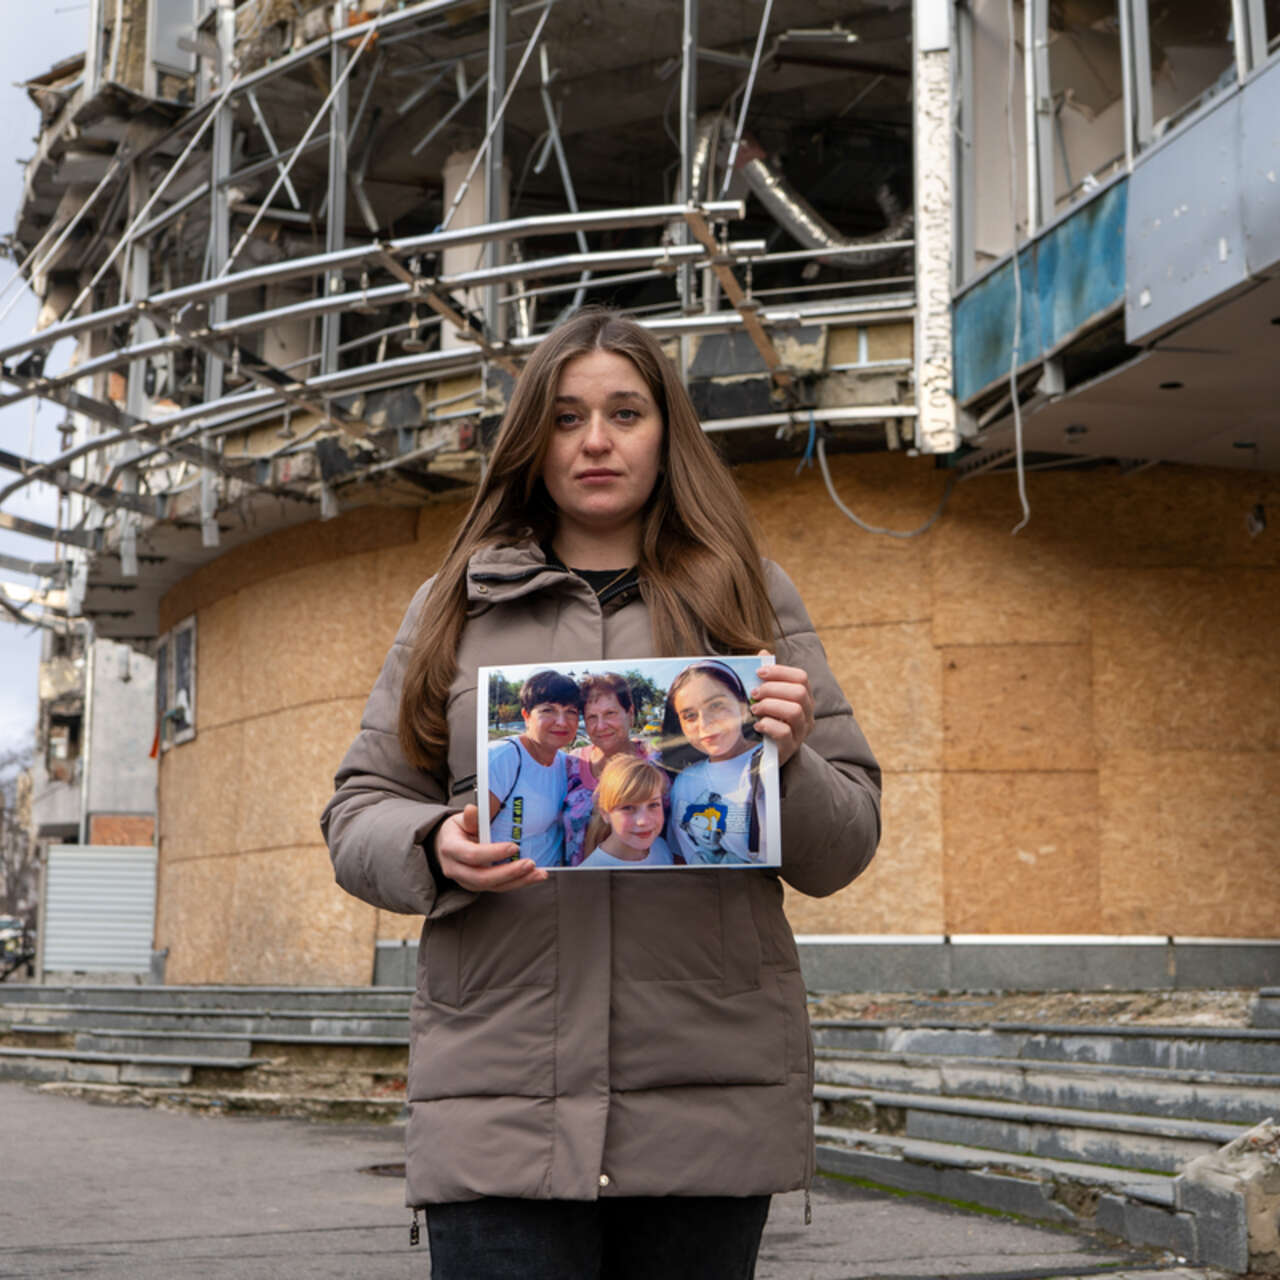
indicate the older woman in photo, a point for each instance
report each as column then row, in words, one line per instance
column 527, row 776
column 608, row 714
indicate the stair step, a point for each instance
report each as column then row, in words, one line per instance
column 330, row 1107
column 237, row 1022
column 1136, row 1206
column 1265, row 1013
column 1233, row 1050
column 345, row 999
column 1192, row 1095
column 1125, row 1141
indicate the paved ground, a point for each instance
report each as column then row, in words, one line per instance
column 112, row 1193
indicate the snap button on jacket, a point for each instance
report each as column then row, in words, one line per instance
column 600, row 1033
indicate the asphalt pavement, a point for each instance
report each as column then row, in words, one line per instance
column 118, row 1193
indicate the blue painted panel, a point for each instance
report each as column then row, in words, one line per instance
column 983, row 326
column 1072, row 274
column 1080, row 266
column 1184, row 233
column 1260, row 169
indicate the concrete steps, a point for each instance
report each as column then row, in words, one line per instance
column 329, row 1052
column 1079, row 1124
column 1266, row 1008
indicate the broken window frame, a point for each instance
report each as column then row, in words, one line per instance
column 176, row 694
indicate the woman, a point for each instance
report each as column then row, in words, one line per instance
column 609, row 1074
column 527, row 774
column 608, row 714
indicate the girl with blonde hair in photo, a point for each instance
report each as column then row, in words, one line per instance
column 626, row 825
column 610, row 1074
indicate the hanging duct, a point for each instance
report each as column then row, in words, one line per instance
column 789, row 209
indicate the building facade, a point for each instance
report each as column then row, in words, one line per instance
column 302, row 250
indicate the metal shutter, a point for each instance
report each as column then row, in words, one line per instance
column 100, row 906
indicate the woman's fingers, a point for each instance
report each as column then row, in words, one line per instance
column 783, row 707
column 481, row 868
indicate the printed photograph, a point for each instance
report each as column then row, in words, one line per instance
column 608, row 766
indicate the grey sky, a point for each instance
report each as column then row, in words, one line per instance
column 43, row 35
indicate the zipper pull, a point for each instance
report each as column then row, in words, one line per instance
column 414, row 1233
column 808, row 1209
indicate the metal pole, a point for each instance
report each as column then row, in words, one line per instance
column 746, row 102
column 1040, row 119
column 688, row 140
column 1140, row 45
column 335, row 229
column 562, row 163
column 271, row 146
column 494, row 118
column 219, row 202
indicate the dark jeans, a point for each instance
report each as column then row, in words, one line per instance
column 620, row 1238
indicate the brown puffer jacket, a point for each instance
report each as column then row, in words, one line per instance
column 610, row 1034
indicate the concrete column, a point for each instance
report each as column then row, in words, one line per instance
column 936, row 430
column 471, row 212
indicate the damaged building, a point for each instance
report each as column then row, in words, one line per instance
column 297, row 252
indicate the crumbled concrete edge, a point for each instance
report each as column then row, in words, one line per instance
column 1234, row 1198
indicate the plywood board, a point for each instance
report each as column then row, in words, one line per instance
column 991, row 588
column 319, row 542
column 890, row 342
column 286, row 779
column 290, row 923
column 1190, row 842
column 892, row 678
column 1021, row 853
column 1186, row 659
column 902, row 890
column 1012, row 707
column 846, row 576
column 220, row 693
column 193, row 914
column 305, row 635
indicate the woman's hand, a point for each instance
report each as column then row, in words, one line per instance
column 481, row 868
column 783, row 707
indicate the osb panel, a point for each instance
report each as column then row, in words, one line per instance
column 220, row 658
column 844, row 575
column 1190, row 843
column 1007, row 707
column 1187, row 659
column 1165, row 517
column 892, row 678
column 1021, row 853
column 287, row 773
column 902, row 891
column 890, row 342
column 318, row 542
column 290, row 923
column 133, row 829
column 193, row 918
column 991, row 588
column 437, row 523
column 199, row 785
column 843, row 345
column 305, row 636
column 176, row 819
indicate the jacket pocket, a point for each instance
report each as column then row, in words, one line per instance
column 438, row 960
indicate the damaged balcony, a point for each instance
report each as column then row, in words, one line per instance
column 299, row 251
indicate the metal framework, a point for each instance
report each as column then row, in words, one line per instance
column 140, row 315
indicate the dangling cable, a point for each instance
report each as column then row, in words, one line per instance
column 1017, row 282
column 871, row 528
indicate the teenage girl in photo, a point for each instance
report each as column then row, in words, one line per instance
column 626, row 825
column 716, row 801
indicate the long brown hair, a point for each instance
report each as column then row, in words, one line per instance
column 700, row 569
column 623, row 780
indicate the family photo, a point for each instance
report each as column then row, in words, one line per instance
column 605, row 766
